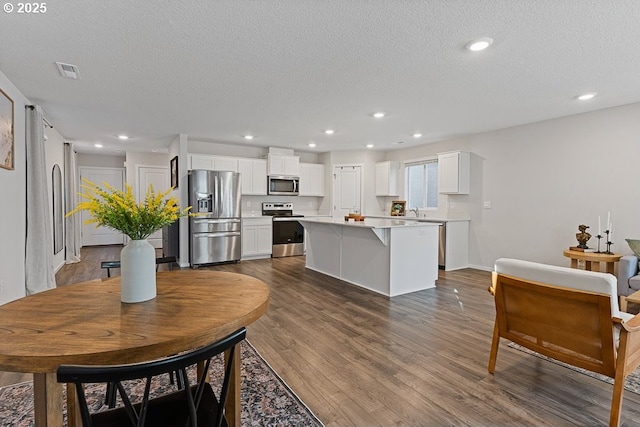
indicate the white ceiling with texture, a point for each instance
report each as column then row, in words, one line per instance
column 286, row 70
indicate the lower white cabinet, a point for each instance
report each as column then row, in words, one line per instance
column 256, row 237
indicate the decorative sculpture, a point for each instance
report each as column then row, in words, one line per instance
column 583, row 237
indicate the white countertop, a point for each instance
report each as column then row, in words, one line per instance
column 368, row 222
column 420, row 219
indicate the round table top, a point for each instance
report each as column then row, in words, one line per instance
column 86, row 323
column 592, row 256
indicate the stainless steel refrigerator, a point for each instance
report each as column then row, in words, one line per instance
column 214, row 234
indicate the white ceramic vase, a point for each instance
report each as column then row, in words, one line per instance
column 138, row 272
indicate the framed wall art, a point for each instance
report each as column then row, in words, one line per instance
column 174, row 172
column 6, row 131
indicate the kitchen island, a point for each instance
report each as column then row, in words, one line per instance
column 388, row 256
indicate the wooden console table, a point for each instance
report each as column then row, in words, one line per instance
column 592, row 260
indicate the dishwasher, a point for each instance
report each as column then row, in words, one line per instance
column 442, row 244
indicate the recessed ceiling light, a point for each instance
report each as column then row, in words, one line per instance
column 417, row 135
column 248, row 137
column 329, row 131
column 379, row 115
column 586, row 96
column 369, row 145
column 123, row 137
column 97, row 145
column 312, row 144
column 479, row 44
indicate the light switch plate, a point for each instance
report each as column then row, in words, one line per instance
column 486, row 204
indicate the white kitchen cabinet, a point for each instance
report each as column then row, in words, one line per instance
column 221, row 163
column 311, row 179
column 283, row 165
column 454, row 172
column 387, row 178
column 213, row 163
column 256, row 237
column 197, row 161
column 253, row 174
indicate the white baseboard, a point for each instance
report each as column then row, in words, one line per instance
column 481, row 267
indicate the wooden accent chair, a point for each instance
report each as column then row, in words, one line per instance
column 194, row 405
column 569, row 315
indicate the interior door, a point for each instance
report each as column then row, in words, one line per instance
column 92, row 235
column 347, row 190
column 158, row 177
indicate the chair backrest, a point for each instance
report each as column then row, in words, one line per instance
column 108, row 265
column 560, row 312
column 565, row 277
column 189, row 406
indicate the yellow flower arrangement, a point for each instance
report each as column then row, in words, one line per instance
column 118, row 209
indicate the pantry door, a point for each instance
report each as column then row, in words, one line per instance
column 347, row 190
column 92, row 235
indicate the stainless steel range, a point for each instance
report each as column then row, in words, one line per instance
column 288, row 233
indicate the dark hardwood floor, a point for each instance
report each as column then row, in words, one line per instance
column 361, row 359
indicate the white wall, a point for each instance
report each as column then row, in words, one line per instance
column 544, row 179
column 100, row 160
column 12, row 208
column 370, row 203
column 134, row 159
column 221, row 149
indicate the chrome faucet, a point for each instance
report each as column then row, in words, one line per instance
column 416, row 211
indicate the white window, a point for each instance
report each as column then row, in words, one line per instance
column 422, row 184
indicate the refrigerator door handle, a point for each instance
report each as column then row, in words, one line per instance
column 215, row 221
column 216, row 235
column 216, row 195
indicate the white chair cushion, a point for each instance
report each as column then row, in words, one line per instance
column 565, row 277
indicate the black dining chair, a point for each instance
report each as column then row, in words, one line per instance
column 194, row 405
column 110, row 396
column 108, row 265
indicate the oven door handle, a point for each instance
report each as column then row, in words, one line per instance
column 287, row 218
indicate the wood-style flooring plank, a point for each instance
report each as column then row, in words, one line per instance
column 357, row 358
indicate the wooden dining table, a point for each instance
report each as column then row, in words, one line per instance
column 87, row 324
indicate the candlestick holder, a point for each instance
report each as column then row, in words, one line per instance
column 599, row 236
column 609, row 242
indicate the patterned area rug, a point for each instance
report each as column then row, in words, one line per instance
column 266, row 399
column 631, row 384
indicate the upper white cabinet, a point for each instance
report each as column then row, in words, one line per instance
column 387, row 178
column 311, row 179
column 253, row 173
column 200, row 162
column 454, row 172
column 213, row 163
column 284, row 165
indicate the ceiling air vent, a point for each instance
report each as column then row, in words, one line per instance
column 69, row 71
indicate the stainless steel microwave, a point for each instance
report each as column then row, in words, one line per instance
column 283, row 185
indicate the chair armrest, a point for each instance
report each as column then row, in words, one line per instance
column 627, row 268
column 631, row 325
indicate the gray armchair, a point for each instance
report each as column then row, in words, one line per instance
column 628, row 277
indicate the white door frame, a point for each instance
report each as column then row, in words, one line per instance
column 334, row 189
